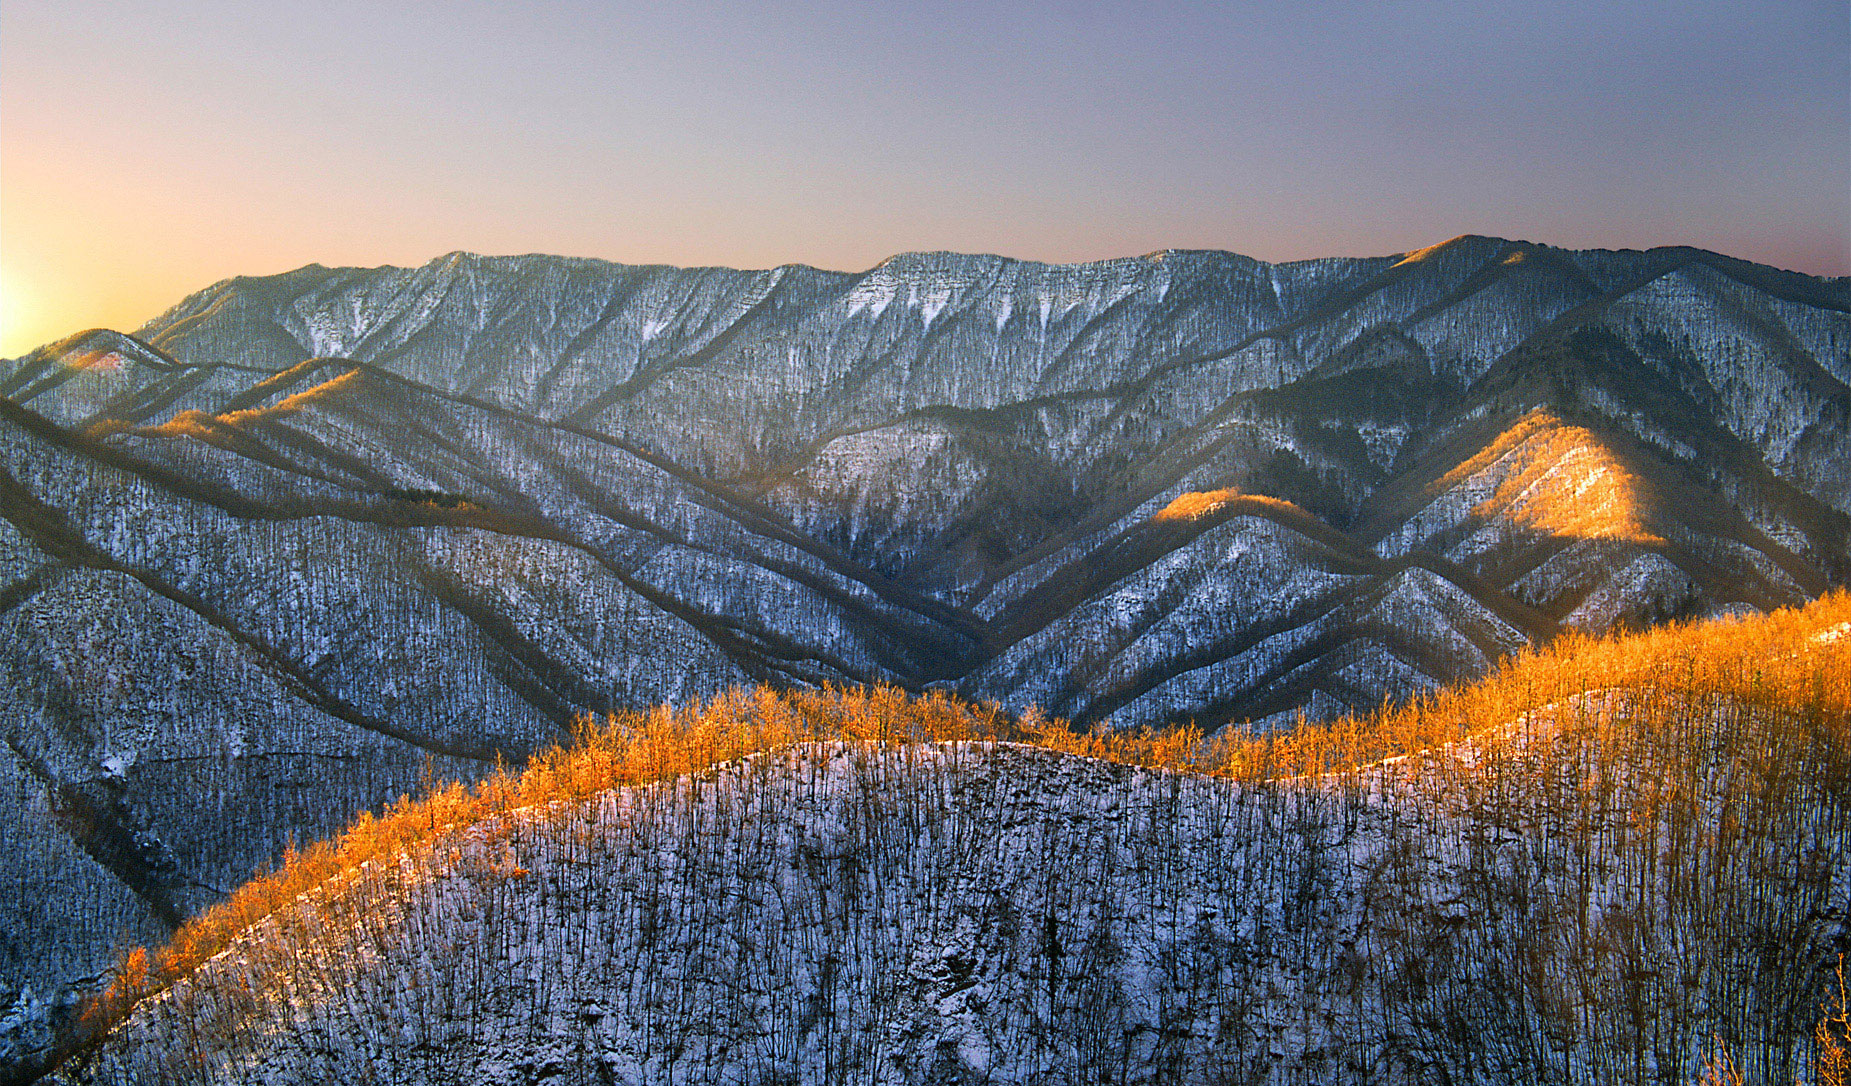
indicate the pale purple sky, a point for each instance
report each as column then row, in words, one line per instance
column 148, row 149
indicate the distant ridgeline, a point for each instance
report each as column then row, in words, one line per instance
column 308, row 540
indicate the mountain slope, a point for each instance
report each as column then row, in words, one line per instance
column 1603, row 887
column 321, row 511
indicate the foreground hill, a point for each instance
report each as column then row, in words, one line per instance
column 1644, row 868
column 307, row 539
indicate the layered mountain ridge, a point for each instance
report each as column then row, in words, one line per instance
column 307, row 538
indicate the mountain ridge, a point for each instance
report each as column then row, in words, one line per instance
column 347, row 500
column 1565, row 872
column 1155, row 255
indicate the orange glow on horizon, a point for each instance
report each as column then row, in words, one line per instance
column 20, row 320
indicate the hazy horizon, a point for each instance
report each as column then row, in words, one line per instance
column 153, row 149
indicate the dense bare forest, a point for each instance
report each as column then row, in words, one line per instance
column 1617, row 859
column 308, row 540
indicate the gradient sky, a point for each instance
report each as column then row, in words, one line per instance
column 148, row 149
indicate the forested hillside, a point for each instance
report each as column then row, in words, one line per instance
column 1619, row 860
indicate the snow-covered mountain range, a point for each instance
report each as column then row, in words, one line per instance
column 307, row 539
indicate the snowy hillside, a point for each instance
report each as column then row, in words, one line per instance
column 1611, row 887
column 307, row 539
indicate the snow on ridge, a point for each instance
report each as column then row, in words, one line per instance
column 851, row 912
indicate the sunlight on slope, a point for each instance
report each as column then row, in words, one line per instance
column 1569, row 485
column 1560, row 479
column 200, row 424
column 301, row 400
column 1423, row 254
column 1195, row 504
column 108, row 361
